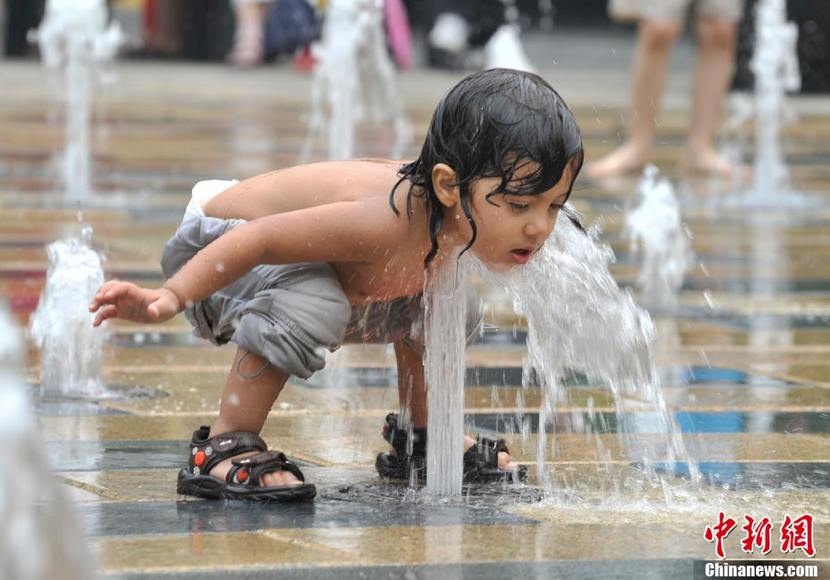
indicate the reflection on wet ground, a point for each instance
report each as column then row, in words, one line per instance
column 745, row 366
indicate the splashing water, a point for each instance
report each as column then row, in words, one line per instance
column 354, row 80
column 41, row 538
column 74, row 37
column 62, row 325
column 579, row 320
column 657, row 235
column 444, row 327
column 775, row 66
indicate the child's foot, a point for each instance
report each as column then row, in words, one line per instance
column 237, row 465
column 485, row 460
column 272, row 479
column 506, row 462
column 628, row 158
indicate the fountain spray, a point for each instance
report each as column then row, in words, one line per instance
column 444, row 328
column 775, row 65
column 62, row 324
column 657, row 235
column 354, row 80
column 74, row 37
column 579, row 320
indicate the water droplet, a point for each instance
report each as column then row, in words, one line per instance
column 707, row 296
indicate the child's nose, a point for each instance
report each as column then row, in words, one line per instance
column 536, row 228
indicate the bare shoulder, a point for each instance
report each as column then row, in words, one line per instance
column 305, row 186
column 361, row 230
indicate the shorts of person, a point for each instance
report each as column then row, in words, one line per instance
column 291, row 314
column 674, row 10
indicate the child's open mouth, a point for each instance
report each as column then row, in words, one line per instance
column 520, row 255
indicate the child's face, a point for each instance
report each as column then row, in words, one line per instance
column 513, row 229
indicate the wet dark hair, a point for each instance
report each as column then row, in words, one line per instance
column 491, row 124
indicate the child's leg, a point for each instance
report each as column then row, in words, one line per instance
column 716, row 52
column 412, row 394
column 252, row 386
column 655, row 40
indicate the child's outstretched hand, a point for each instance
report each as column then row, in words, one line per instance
column 124, row 300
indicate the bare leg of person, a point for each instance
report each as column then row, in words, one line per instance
column 252, row 386
column 713, row 73
column 249, row 36
column 655, row 40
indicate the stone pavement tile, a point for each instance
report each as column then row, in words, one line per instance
column 817, row 373
column 79, row 494
column 126, row 485
column 199, row 552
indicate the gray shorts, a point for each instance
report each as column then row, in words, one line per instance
column 291, row 314
column 675, row 10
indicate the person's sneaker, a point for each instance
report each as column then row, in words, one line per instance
column 447, row 42
column 504, row 50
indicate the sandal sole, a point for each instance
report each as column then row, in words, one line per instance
column 207, row 487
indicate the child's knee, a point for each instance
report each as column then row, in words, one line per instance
column 294, row 325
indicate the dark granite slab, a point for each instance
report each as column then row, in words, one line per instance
column 689, row 422
column 137, row 518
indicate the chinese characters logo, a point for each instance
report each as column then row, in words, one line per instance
column 793, row 534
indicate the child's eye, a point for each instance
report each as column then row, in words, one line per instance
column 517, row 206
column 554, row 207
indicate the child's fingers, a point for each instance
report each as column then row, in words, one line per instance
column 107, row 312
column 117, row 290
column 102, row 292
column 105, row 287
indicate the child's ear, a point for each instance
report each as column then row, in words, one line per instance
column 443, row 182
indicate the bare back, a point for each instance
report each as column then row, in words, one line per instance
column 392, row 267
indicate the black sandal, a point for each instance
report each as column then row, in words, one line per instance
column 481, row 461
column 243, row 479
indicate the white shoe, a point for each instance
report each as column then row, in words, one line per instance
column 504, row 50
column 450, row 33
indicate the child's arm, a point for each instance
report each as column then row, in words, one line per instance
column 353, row 231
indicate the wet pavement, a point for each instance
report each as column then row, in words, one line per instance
column 745, row 364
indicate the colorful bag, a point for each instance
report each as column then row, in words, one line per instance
column 291, row 24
